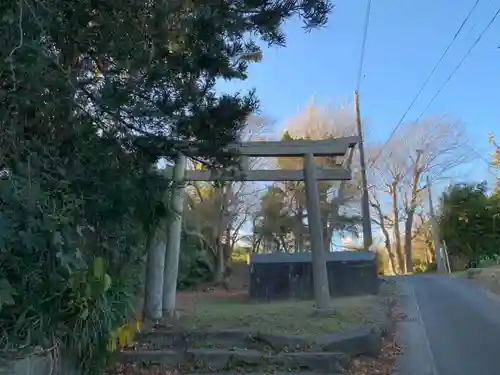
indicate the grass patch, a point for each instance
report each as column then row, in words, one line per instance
column 290, row 317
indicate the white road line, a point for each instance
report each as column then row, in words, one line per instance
column 425, row 338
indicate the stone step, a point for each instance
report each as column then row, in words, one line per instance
column 273, row 373
column 363, row 340
column 226, row 338
column 226, row 359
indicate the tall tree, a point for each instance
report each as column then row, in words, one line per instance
column 338, row 200
column 217, row 211
column 432, row 147
column 274, row 224
column 468, row 221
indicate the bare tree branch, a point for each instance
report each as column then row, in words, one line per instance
column 433, row 147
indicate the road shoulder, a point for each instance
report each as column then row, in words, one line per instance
column 411, row 335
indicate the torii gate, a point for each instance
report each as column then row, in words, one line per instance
column 306, row 149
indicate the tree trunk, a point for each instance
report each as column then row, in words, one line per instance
column 300, row 223
column 388, row 243
column 428, row 257
column 397, row 234
column 328, row 238
column 228, row 248
column 256, row 245
column 388, row 248
column 391, row 261
column 282, row 242
column 277, row 245
column 218, row 275
column 410, row 212
column 429, row 250
column 408, row 243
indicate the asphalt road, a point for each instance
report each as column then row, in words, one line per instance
column 453, row 327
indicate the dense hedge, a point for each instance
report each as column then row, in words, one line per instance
column 469, row 221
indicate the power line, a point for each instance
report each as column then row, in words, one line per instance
column 426, row 81
column 363, row 43
column 481, row 157
column 446, row 51
column 459, row 64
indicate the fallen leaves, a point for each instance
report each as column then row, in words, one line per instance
column 383, row 365
column 135, row 369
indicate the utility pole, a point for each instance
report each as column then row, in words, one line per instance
column 435, row 230
column 365, row 200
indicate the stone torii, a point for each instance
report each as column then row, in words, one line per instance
column 307, row 149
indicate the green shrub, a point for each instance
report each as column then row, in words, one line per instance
column 54, row 224
column 419, row 266
column 194, row 268
column 240, row 254
column 55, row 290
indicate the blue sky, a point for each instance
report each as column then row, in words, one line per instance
column 405, row 40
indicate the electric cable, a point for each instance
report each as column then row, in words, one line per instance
column 426, row 81
column 459, row 64
column 363, row 43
